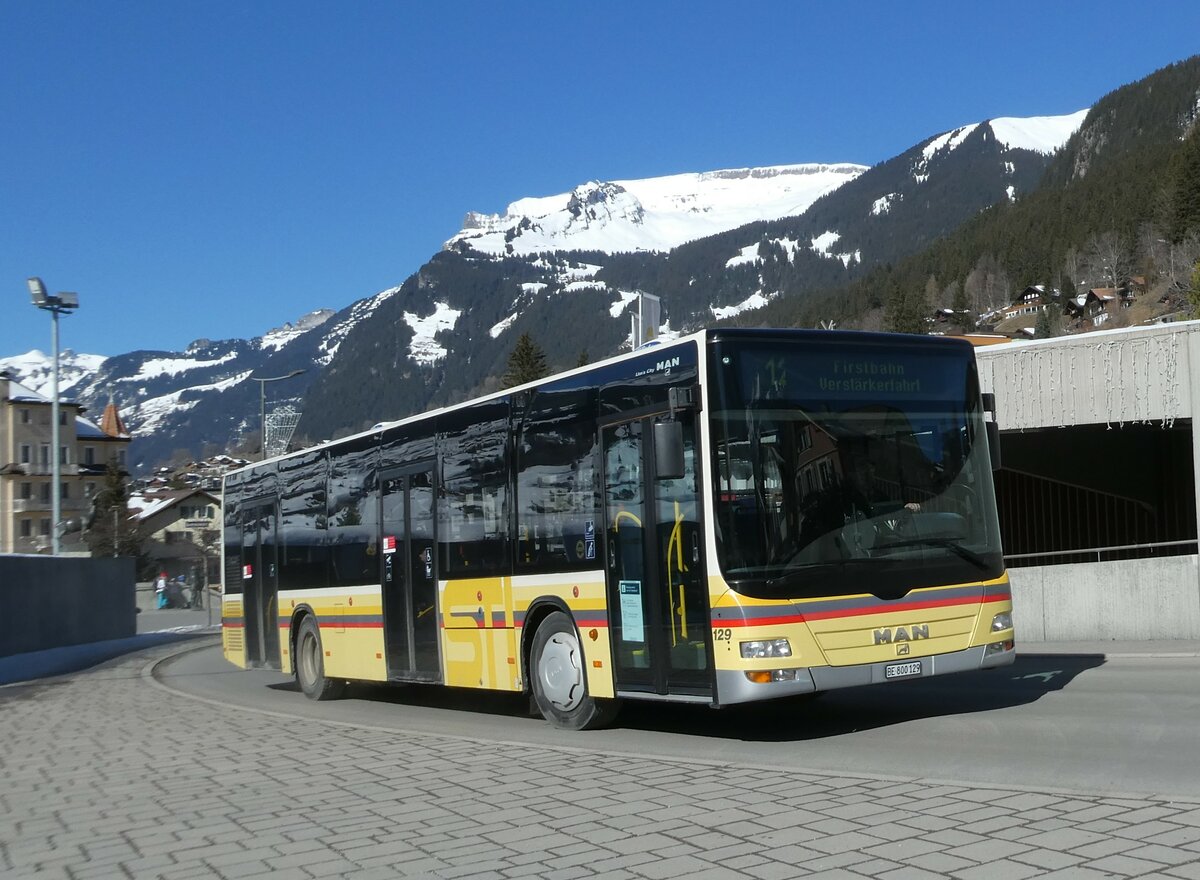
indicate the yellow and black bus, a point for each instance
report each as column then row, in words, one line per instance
column 737, row 515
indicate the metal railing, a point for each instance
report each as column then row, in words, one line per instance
column 1098, row 551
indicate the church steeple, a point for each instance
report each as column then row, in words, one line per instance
column 110, row 422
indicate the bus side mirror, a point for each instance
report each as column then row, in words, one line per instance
column 993, row 438
column 993, row 428
column 668, row 450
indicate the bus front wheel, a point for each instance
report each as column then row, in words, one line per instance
column 559, row 683
column 310, row 664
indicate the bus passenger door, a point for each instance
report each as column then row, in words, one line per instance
column 657, row 592
column 409, row 574
column 260, row 585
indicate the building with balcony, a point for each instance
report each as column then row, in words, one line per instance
column 85, row 449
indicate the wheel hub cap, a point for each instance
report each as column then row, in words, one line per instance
column 560, row 673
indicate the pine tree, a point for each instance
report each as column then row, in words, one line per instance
column 526, row 363
column 1049, row 322
column 906, row 311
column 962, row 317
column 110, row 532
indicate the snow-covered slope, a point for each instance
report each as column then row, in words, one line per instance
column 654, row 214
column 1042, row 134
column 34, row 369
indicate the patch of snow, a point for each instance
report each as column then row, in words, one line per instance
column 1012, row 192
column 424, row 349
column 497, row 329
column 534, row 287
column 756, row 300
column 576, row 286
column 155, row 367
column 790, row 245
column 746, row 256
column 882, row 205
column 627, row 297
column 579, row 272
column 1042, row 134
column 823, row 242
column 149, row 415
column 948, row 141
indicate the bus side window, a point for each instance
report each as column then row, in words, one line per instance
column 556, row 481
column 473, row 501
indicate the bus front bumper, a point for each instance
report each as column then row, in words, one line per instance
column 733, row 686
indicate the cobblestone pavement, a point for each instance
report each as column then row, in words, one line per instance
column 106, row 774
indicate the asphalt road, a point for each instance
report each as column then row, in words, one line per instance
column 1070, row 722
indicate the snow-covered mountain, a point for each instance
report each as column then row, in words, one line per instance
column 712, row 244
column 35, row 370
column 203, row 395
column 654, row 214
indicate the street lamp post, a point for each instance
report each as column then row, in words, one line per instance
column 60, row 303
column 262, row 407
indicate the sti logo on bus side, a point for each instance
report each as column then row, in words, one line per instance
column 902, row 634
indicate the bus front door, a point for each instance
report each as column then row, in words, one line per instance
column 657, row 592
column 260, row 585
column 409, row 574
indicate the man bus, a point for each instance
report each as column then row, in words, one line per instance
column 738, row 515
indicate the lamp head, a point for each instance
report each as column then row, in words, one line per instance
column 37, row 291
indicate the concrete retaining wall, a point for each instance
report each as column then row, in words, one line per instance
column 48, row 602
column 1132, row 599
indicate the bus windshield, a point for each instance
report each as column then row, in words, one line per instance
column 850, row 465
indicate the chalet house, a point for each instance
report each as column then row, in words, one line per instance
column 85, row 449
column 180, row 532
column 1033, row 300
column 963, row 317
column 1097, row 305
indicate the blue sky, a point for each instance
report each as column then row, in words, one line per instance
column 216, row 169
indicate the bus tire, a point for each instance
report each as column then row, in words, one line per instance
column 310, row 664
column 559, row 682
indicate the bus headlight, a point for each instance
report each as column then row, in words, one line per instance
column 767, row 648
column 1002, row 621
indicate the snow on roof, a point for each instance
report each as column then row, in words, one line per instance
column 146, row 506
column 88, row 430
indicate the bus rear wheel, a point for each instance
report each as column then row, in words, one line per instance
column 310, row 664
column 559, row 683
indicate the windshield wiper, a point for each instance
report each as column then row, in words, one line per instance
column 953, row 546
